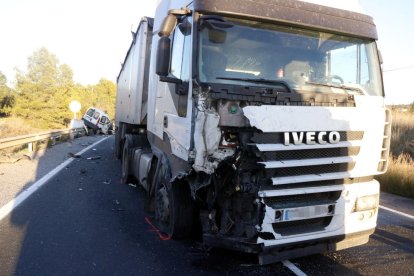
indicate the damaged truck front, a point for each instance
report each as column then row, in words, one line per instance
column 261, row 124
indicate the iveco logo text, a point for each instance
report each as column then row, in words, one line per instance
column 312, row 137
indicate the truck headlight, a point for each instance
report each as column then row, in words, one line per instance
column 367, row 203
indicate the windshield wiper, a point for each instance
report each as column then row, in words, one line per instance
column 277, row 82
column 341, row 86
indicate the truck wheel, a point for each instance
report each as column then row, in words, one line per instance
column 125, row 163
column 174, row 210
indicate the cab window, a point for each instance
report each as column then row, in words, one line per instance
column 181, row 62
column 90, row 112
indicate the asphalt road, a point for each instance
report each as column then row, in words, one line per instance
column 84, row 222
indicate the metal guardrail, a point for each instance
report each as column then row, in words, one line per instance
column 30, row 138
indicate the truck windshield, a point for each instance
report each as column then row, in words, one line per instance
column 233, row 51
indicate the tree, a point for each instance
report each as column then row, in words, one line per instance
column 44, row 91
column 7, row 99
column 104, row 96
column 44, row 73
column 43, row 68
column 3, row 80
column 65, row 76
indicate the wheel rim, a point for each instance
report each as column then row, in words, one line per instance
column 163, row 205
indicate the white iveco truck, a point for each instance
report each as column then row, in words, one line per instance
column 260, row 124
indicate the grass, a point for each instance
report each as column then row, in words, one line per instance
column 402, row 139
column 399, row 178
column 10, row 127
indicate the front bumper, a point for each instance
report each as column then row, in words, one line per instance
column 275, row 253
column 329, row 244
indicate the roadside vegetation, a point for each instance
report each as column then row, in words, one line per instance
column 399, row 179
column 13, row 126
column 41, row 95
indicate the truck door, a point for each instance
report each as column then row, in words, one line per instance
column 173, row 105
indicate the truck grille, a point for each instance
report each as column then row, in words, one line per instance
column 317, row 170
column 302, row 200
column 310, row 153
column 286, row 165
column 307, row 170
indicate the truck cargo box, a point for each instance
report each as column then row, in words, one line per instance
column 132, row 81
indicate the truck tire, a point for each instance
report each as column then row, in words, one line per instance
column 125, row 177
column 174, row 210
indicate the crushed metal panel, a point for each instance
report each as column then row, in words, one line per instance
column 179, row 133
column 212, row 133
column 207, row 137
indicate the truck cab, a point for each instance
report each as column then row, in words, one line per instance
column 263, row 122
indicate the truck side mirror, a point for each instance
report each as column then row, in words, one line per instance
column 163, row 56
column 168, row 25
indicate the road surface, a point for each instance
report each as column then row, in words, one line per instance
column 83, row 221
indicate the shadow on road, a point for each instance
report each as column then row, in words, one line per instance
column 394, row 240
column 27, row 233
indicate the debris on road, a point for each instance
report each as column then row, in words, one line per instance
column 107, row 182
column 132, row 185
column 83, row 171
column 117, row 208
column 74, row 155
column 94, row 157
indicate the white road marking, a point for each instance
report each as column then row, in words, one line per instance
column 293, row 268
column 9, row 207
column 397, row 212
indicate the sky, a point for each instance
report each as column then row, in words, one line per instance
column 93, row 36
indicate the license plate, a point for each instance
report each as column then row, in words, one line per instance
column 308, row 212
